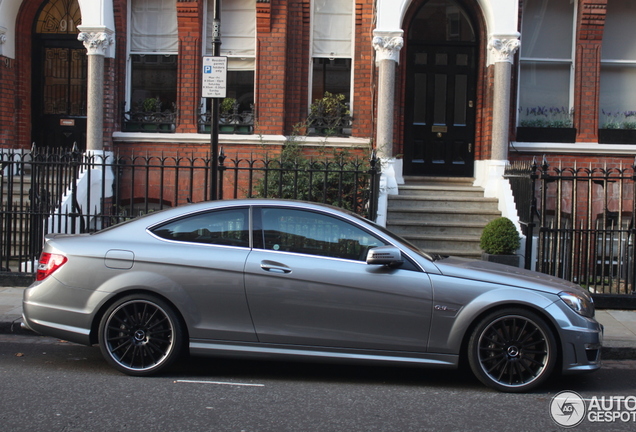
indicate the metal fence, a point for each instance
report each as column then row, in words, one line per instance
column 581, row 220
column 64, row 191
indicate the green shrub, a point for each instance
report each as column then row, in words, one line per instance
column 332, row 180
column 500, row 237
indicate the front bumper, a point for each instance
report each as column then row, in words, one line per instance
column 581, row 339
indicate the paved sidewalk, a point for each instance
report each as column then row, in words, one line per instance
column 619, row 339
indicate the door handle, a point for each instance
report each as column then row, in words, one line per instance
column 274, row 267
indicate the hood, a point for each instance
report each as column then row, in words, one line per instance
column 505, row 275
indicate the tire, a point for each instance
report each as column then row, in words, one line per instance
column 140, row 335
column 512, row 350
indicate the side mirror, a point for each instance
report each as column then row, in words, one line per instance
column 385, row 255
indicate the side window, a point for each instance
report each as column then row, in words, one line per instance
column 315, row 234
column 226, row 227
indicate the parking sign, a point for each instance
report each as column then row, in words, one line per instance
column 214, row 77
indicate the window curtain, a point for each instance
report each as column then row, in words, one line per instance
column 154, row 26
column 618, row 60
column 332, row 29
column 238, row 32
column 546, row 54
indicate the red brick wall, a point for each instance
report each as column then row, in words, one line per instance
column 24, row 27
column 364, row 71
column 190, row 22
column 8, row 103
column 119, row 66
column 589, row 39
column 271, row 71
column 282, row 75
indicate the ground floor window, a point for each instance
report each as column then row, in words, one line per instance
column 153, row 82
column 333, row 76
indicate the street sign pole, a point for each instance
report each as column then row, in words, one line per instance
column 214, row 126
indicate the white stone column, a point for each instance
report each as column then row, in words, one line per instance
column 97, row 44
column 502, row 50
column 3, row 39
column 387, row 47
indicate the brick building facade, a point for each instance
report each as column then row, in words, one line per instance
column 448, row 85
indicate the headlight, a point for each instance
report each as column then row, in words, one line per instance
column 579, row 303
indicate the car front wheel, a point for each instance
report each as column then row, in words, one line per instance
column 140, row 335
column 512, row 350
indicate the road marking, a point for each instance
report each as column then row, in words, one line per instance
column 219, row 383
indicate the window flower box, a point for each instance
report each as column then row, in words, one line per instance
column 617, row 136
column 546, row 134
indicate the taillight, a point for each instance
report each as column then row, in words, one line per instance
column 48, row 264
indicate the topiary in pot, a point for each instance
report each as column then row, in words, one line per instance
column 499, row 241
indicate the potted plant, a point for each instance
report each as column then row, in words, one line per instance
column 618, row 127
column 328, row 116
column 546, row 124
column 499, row 241
column 151, row 105
column 227, row 108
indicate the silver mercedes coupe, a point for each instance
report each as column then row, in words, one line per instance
column 295, row 280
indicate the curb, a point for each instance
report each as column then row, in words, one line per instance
column 16, row 279
column 15, row 328
column 618, row 353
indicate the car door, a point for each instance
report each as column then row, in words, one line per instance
column 307, row 283
column 205, row 253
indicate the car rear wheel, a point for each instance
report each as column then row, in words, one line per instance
column 512, row 350
column 140, row 335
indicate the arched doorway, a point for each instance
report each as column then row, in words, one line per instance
column 59, row 77
column 441, row 77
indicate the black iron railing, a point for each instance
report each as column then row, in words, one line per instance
column 584, row 219
column 63, row 191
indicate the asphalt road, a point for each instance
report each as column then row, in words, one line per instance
column 52, row 385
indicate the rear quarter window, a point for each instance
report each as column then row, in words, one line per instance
column 224, row 227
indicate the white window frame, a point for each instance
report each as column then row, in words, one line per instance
column 612, row 62
column 555, row 61
column 311, row 55
column 129, row 54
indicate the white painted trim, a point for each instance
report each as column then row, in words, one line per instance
column 192, row 138
column 489, row 176
column 573, row 148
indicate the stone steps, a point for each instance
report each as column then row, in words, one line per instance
column 441, row 215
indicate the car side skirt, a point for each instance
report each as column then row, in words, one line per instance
column 301, row 353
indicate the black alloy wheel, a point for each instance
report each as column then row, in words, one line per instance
column 512, row 350
column 140, row 335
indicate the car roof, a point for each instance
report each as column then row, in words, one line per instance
column 156, row 217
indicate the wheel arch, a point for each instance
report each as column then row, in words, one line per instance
column 463, row 352
column 94, row 332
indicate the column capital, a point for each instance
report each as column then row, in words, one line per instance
column 3, row 38
column 96, row 42
column 387, row 45
column 503, row 47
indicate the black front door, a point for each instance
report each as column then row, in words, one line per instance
column 440, row 110
column 59, row 92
